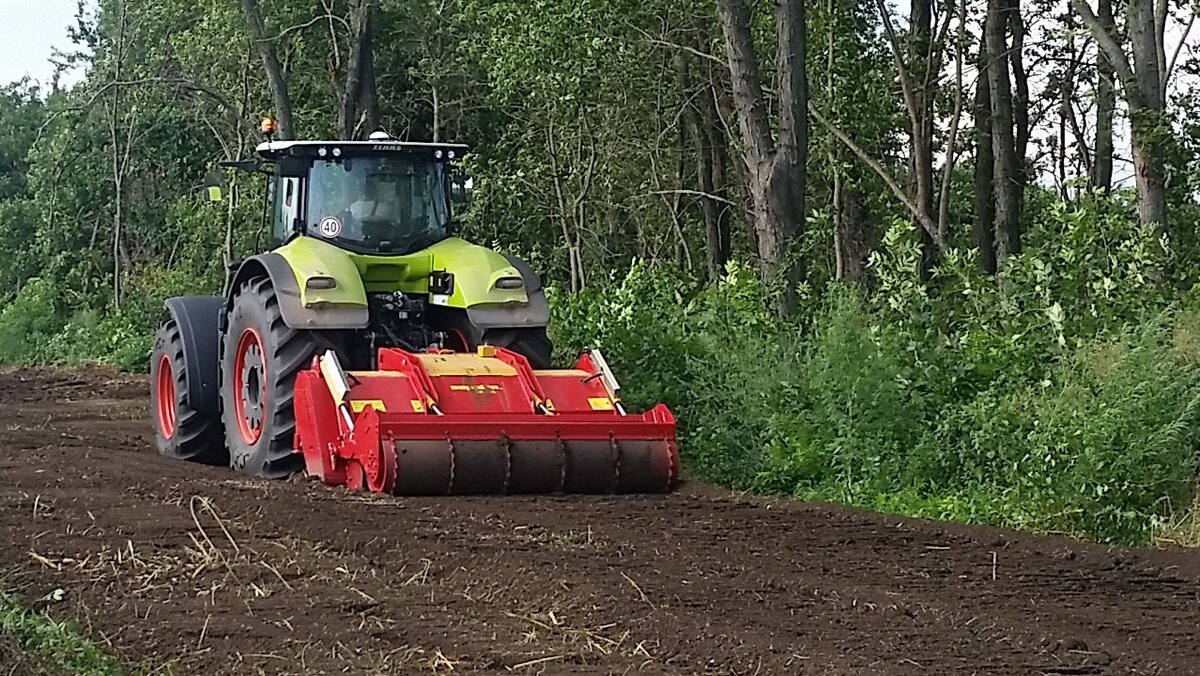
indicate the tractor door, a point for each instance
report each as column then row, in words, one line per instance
column 287, row 207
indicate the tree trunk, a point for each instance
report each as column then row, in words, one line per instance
column 1020, row 101
column 856, row 235
column 839, row 258
column 1147, row 123
column 1006, row 174
column 358, row 113
column 118, row 187
column 789, row 175
column 775, row 167
column 1106, row 105
column 719, row 237
column 985, row 211
column 275, row 80
column 921, row 135
column 120, row 154
column 1143, row 84
column 704, row 132
column 1068, row 119
column 368, row 100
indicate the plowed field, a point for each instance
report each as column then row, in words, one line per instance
column 208, row 572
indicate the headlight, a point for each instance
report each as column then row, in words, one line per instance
column 510, row 283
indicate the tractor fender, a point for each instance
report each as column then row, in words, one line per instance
column 303, row 311
column 534, row 313
column 198, row 319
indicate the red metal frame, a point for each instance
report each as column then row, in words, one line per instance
column 405, row 409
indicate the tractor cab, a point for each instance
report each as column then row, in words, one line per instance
column 378, row 197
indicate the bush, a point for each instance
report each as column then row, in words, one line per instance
column 1095, row 438
column 36, row 329
column 28, row 321
column 715, row 354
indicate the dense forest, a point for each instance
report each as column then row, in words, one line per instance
column 933, row 258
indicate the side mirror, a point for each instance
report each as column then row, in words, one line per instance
column 214, row 185
column 461, row 187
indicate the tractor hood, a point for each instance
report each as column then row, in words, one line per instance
column 478, row 277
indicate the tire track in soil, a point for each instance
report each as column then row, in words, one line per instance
column 199, row 568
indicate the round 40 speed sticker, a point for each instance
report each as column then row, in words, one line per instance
column 331, row 227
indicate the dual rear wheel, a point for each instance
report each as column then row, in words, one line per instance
column 181, row 430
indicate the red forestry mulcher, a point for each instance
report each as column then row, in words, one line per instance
column 444, row 423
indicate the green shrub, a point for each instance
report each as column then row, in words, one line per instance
column 713, row 353
column 883, row 407
column 35, row 327
column 28, row 321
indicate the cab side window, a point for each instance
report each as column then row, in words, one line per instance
column 283, row 196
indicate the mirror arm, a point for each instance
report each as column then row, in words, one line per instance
column 248, row 166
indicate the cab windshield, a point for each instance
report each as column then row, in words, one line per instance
column 378, row 205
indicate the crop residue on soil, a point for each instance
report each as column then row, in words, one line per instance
column 198, row 568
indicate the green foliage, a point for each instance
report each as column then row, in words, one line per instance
column 57, row 643
column 713, row 353
column 28, row 322
column 37, row 329
column 1063, row 396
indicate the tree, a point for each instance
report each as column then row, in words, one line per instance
column 775, row 163
column 708, row 141
column 358, row 114
column 274, row 70
column 1006, row 176
column 1106, row 104
column 1143, row 81
column 985, row 167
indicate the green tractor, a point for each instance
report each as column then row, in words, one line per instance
column 364, row 255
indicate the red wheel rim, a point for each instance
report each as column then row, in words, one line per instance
column 164, row 386
column 250, row 381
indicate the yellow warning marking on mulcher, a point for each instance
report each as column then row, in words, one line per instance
column 417, row 406
column 357, row 405
column 600, row 403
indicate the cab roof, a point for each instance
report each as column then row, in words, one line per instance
column 273, row 150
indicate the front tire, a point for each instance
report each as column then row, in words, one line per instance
column 260, row 358
column 180, row 431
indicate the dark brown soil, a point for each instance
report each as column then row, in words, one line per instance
column 212, row 573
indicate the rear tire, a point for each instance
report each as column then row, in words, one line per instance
column 532, row 343
column 260, row 358
column 180, row 431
